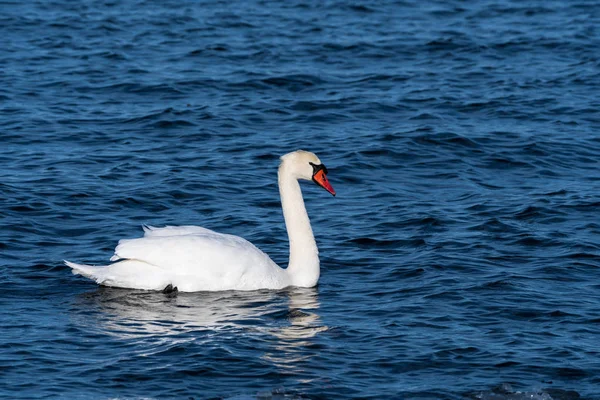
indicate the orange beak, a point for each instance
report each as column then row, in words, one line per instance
column 321, row 179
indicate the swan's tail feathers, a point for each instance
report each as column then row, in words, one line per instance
column 126, row 274
column 89, row 271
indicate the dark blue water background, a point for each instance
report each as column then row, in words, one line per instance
column 460, row 259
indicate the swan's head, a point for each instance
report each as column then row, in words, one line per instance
column 306, row 165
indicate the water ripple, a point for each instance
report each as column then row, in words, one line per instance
column 459, row 259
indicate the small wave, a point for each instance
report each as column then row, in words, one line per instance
column 371, row 242
column 506, row 392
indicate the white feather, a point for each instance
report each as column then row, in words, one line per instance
column 193, row 258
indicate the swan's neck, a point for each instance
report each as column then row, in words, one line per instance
column 303, row 267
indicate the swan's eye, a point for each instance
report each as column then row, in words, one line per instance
column 317, row 168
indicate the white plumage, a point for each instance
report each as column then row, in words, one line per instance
column 193, row 258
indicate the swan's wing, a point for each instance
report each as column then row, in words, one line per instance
column 220, row 261
column 152, row 231
column 168, row 248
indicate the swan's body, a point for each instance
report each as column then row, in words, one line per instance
column 193, row 258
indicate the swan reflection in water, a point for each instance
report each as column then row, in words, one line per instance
column 289, row 316
column 294, row 337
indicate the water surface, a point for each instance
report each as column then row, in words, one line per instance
column 460, row 259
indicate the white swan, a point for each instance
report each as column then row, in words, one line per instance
column 192, row 258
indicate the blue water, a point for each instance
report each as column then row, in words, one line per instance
column 460, row 259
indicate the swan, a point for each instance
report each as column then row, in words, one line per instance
column 193, row 258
